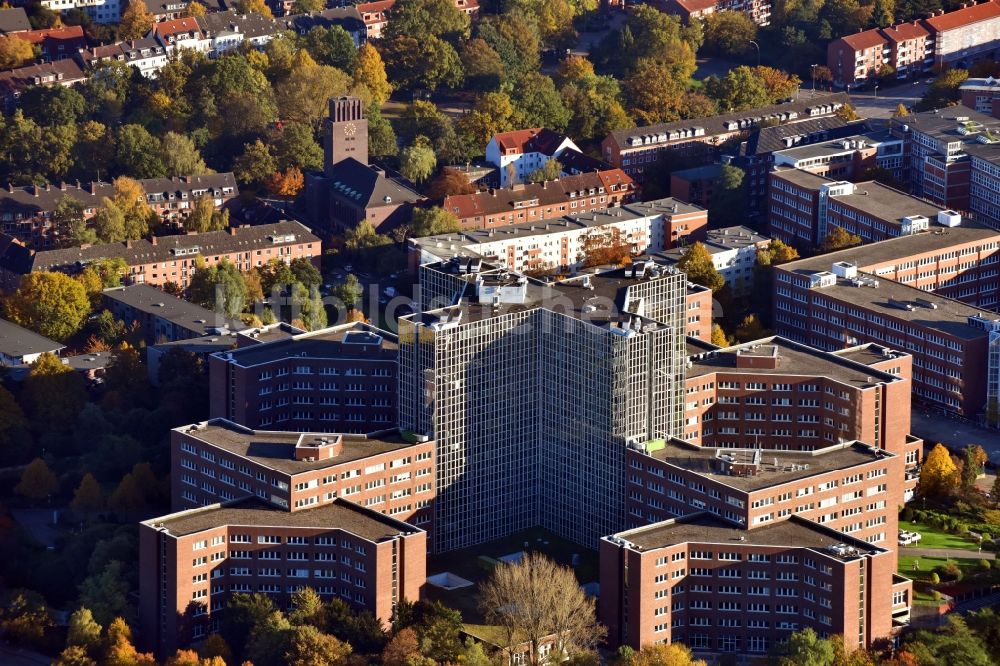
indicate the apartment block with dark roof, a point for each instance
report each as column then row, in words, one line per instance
column 163, row 317
column 57, row 73
column 163, row 259
column 636, row 149
column 340, row 379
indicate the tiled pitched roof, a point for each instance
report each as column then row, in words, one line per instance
column 14, row 20
column 533, row 140
column 73, row 33
column 963, row 17
column 862, row 41
column 167, row 28
column 905, row 31
column 165, row 248
column 250, row 25
column 64, row 72
column 552, row 192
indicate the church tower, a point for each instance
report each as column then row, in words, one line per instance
column 345, row 132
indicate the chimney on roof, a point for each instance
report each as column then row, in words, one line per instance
column 62, row 186
column 152, row 241
column 232, row 231
column 48, row 187
column 128, row 243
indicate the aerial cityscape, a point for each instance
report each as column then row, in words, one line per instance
column 500, row 332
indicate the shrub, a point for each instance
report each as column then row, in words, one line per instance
column 988, row 544
column 949, row 571
column 935, row 595
column 984, row 565
column 907, row 514
column 935, row 578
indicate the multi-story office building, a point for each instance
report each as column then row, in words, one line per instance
column 936, row 163
column 219, row 461
column 638, row 148
column 958, row 262
column 984, row 192
column 979, row 94
column 776, row 393
column 564, row 244
column 339, row 379
column 842, row 307
column 703, row 581
column 843, row 486
column 849, row 158
column 805, row 207
column 535, row 388
column 191, row 562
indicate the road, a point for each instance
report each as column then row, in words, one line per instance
column 882, row 103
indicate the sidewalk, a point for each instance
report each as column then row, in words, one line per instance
column 951, row 553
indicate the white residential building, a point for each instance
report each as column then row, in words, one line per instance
column 100, row 11
column 517, row 153
column 734, row 255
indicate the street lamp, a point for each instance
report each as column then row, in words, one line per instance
column 756, row 46
column 812, row 70
column 875, row 93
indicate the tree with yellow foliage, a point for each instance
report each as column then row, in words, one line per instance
column 369, row 71
column 660, row 654
column 51, row 304
column 136, row 21
column 15, row 52
column 254, row 7
column 938, row 475
column 719, row 338
column 120, row 650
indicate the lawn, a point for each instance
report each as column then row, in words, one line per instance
column 934, row 538
column 926, row 565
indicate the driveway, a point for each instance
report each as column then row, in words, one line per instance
column 953, row 432
column 882, row 103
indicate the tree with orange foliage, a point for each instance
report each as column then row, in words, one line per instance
column 603, row 248
column 287, row 184
column 120, row 650
column 448, row 183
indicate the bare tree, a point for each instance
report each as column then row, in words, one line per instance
column 536, row 600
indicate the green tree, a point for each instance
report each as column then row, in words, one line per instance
column 15, row 439
column 269, row 642
column 882, row 14
column 697, row 264
column 136, row 21
column 805, row 648
column 538, row 104
column 349, row 291
column 428, row 18
column 422, row 63
column 381, row 137
column 418, row 161
column 729, row 33
column 83, row 629
column 181, row 157
column 51, row 304
column 433, row 221
column 952, row 643
column 516, row 39
column 944, row 90
column 484, row 69
column 363, row 237
column 297, row 147
column 331, row 46
column 50, row 106
column 653, row 94
column 24, row 617
column 728, row 198
column 37, row 482
column 938, row 474
column 243, row 613
column 307, row 6
column 137, row 152
column 204, row 216
column 109, row 222
column 303, row 95
column 74, row 655
column 255, row 164
column 220, row 287
column 551, row 170
column 307, row 608
column 70, row 228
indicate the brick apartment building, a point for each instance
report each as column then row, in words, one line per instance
column 26, row 211
column 635, row 149
column 841, row 306
column 843, row 486
column 163, row 259
column 956, row 38
column 55, row 43
column 984, row 179
column 796, row 398
column 695, row 185
column 339, row 379
column 758, row 11
column 220, row 461
column 192, row 561
column 529, row 202
column 561, row 244
column 805, row 207
column 701, row 581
